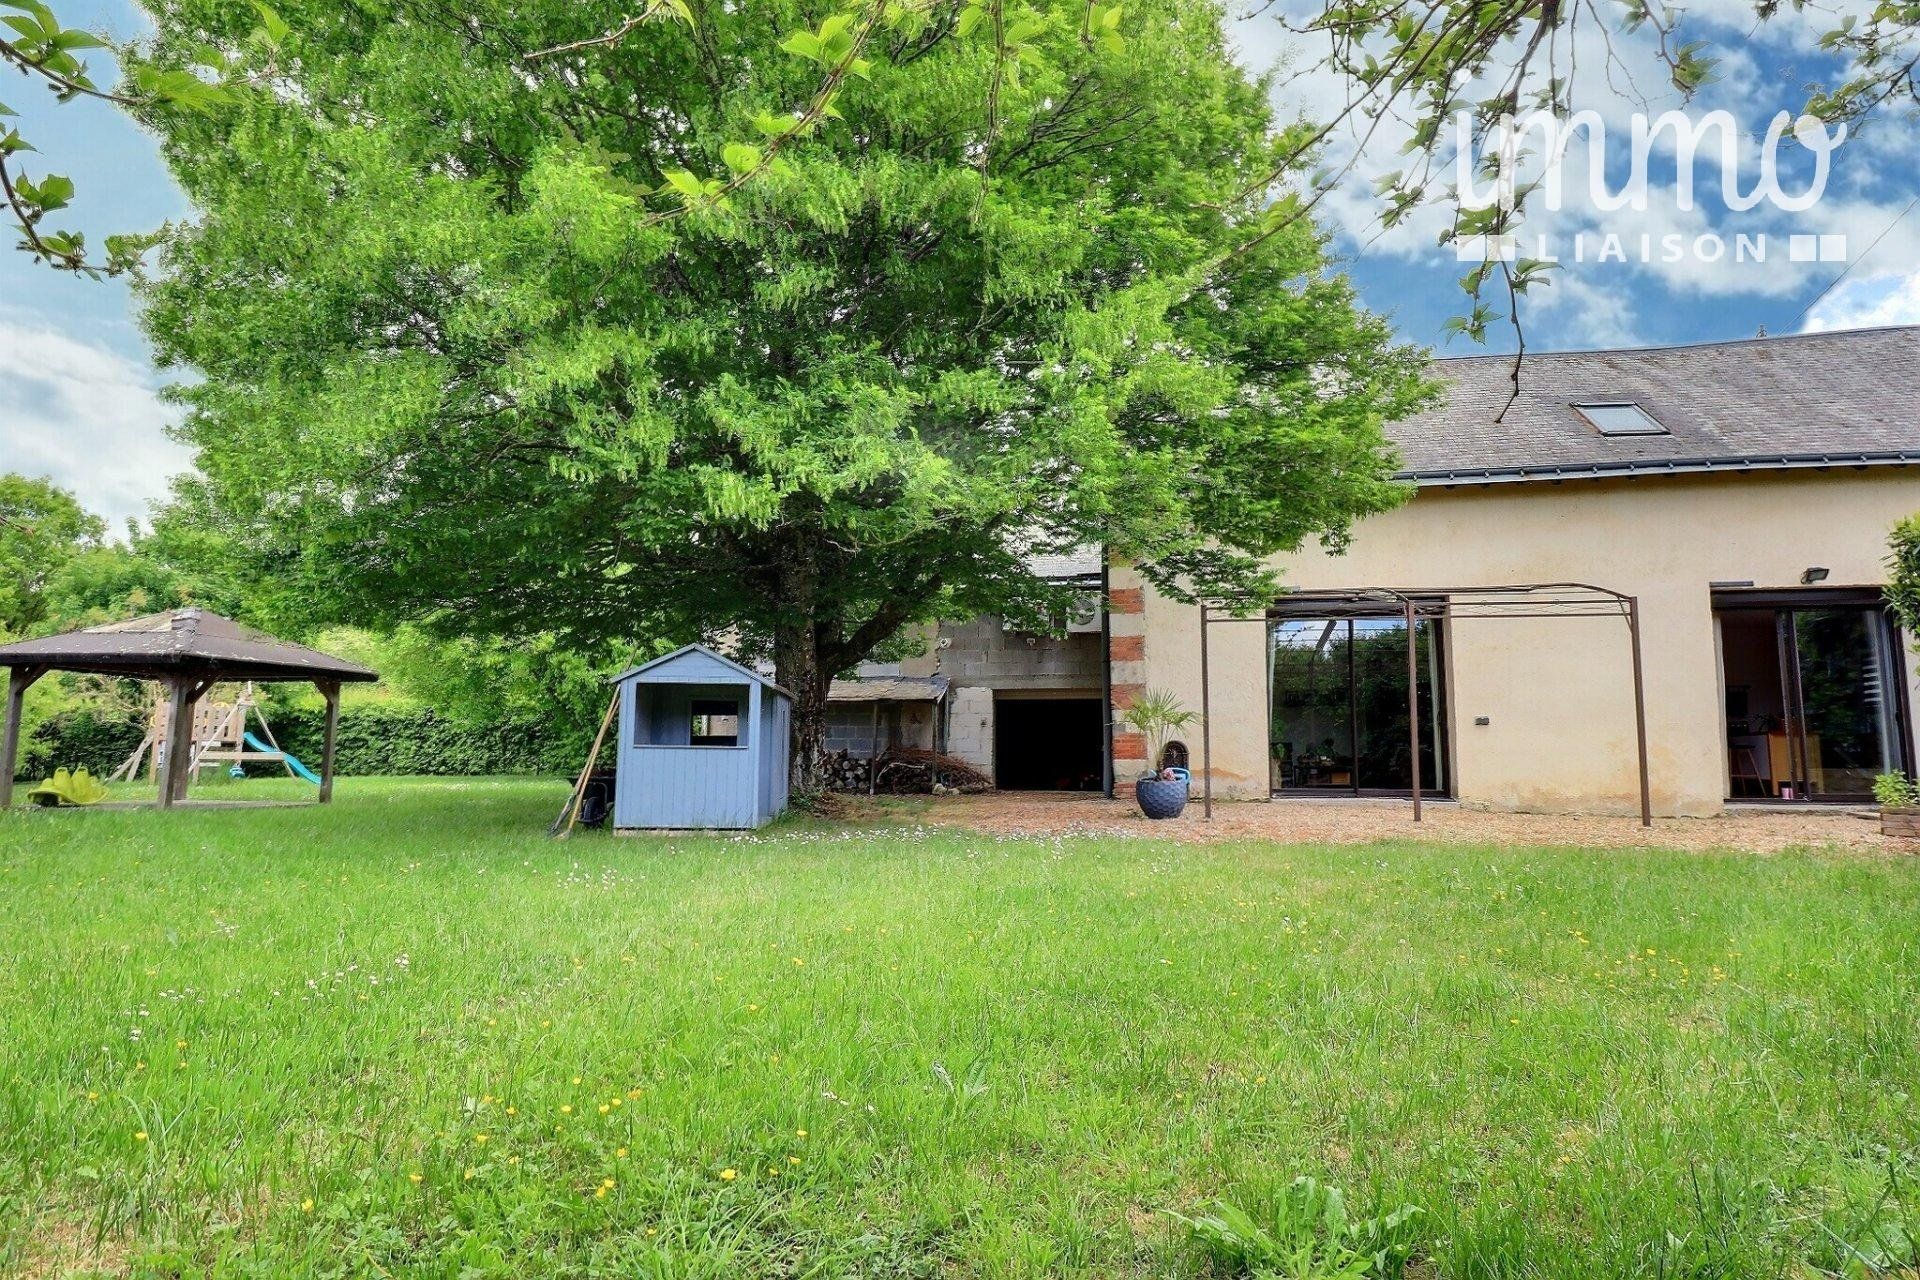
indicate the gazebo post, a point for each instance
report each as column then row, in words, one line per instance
column 331, row 692
column 173, row 779
column 18, row 681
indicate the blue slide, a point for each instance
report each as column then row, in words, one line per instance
column 299, row 770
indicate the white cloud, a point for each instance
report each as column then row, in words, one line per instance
column 1758, row 77
column 87, row 417
column 1866, row 304
column 1578, row 313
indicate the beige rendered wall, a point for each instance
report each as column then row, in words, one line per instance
column 1558, row 693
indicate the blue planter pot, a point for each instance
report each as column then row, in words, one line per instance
column 1161, row 799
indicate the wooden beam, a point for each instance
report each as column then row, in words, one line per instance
column 571, row 813
column 173, row 778
column 19, row 679
column 331, row 692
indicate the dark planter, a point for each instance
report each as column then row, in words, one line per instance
column 1159, row 798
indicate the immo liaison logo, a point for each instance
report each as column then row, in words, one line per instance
column 1527, row 156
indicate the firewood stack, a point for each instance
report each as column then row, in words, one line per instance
column 907, row 771
column 846, row 772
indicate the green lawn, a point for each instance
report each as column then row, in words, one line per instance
column 410, row 1036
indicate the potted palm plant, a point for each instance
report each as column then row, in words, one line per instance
column 1899, row 801
column 1157, row 715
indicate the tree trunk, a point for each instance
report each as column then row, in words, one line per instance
column 807, row 651
column 797, row 668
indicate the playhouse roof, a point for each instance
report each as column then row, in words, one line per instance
column 185, row 642
column 697, row 655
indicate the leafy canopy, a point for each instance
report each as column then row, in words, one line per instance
column 531, row 318
column 43, row 530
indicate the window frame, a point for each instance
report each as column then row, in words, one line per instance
column 705, row 708
column 1648, row 424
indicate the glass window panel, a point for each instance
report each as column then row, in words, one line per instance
column 1622, row 419
column 1851, row 730
column 1338, row 718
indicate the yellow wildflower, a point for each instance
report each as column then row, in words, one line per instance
column 726, row 1175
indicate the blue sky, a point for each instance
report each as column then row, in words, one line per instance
column 79, row 398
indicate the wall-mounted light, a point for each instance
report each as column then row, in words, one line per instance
column 1810, row 576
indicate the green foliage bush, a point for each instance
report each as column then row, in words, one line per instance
column 376, row 739
column 80, row 738
column 417, row 740
column 1903, row 574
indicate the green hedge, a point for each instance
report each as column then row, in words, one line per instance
column 91, row 739
column 373, row 740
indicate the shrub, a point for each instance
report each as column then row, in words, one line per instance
column 373, row 739
column 1895, row 791
column 83, row 738
column 1903, row 574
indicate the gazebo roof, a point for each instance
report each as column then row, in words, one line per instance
column 185, row 642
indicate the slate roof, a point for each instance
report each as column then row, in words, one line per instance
column 1845, row 398
column 185, row 642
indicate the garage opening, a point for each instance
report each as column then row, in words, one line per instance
column 1046, row 744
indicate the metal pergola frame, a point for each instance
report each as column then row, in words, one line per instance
column 1444, row 604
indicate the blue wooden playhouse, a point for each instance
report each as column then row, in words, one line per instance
column 703, row 744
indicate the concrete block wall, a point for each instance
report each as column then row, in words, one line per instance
column 981, row 651
column 850, row 727
column 981, row 657
column 970, row 726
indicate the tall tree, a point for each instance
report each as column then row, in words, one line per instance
column 737, row 320
column 43, row 529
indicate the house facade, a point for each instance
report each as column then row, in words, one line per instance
column 1728, row 502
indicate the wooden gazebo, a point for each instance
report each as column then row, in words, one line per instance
column 189, row 650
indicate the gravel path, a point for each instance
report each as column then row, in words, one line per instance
column 1753, row 830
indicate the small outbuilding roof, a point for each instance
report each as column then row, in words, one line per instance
column 185, row 642
column 697, row 656
column 1837, row 399
column 889, row 689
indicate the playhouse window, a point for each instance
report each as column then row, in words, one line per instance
column 716, row 723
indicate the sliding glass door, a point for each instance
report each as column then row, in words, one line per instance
column 1814, row 706
column 1338, row 717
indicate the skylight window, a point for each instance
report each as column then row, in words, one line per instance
column 1620, row 418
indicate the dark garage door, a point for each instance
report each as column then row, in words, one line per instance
column 1046, row 744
